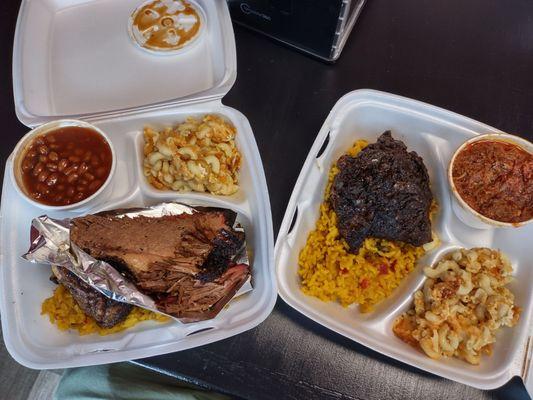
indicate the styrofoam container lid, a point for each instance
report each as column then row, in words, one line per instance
column 76, row 59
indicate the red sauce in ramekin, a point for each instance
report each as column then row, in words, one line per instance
column 495, row 178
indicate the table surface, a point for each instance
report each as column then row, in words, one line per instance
column 474, row 57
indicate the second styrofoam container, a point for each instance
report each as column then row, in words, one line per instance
column 434, row 134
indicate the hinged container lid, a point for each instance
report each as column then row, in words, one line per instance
column 76, row 59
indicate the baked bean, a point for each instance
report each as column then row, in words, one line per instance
column 79, row 152
column 55, row 146
column 74, row 159
column 38, row 169
column 43, row 158
column 31, row 154
column 95, row 184
column 39, row 141
column 88, row 155
column 51, row 167
column 70, row 191
column 84, row 181
column 79, row 196
column 43, row 149
column 71, row 169
column 72, row 177
column 100, row 172
column 43, row 189
column 63, row 163
column 70, row 146
column 52, row 179
column 43, row 176
column 53, row 156
column 83, row 168
column 80, row 188
column 58, row 198
column 95, row 162
column 50, row 138
column 89, row 176
column 27, row 164
column 61, row 187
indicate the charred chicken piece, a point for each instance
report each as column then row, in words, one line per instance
column 382, row 192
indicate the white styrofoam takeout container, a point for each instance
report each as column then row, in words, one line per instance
column 75, row 59
column 434, row 134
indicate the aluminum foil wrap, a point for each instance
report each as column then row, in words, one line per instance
column 50, row 244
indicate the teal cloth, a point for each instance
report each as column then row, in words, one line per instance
column 125, row 381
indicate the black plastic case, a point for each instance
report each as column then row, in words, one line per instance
column 316, row 27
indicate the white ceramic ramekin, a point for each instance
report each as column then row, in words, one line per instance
column 22, row 147
column 466, row 213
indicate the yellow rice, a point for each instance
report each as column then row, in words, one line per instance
column 64, row 312
column 330, row 272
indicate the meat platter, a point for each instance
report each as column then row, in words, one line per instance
column 164, row 91
column 431, row 136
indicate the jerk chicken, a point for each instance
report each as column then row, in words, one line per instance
column 382, row 192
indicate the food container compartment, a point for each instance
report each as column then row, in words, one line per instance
column 464, row 212
column 244, row 176
column 160, row 91
column 434, row 134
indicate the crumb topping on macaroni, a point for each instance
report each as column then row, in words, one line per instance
column 462, row 304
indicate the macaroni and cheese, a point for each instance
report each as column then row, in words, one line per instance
column 197, row 155
column 462, row 304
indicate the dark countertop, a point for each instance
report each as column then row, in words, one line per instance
column 474, row 57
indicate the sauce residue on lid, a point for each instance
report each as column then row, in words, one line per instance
column 495, row 178
column 66, row 165
column 165, row 25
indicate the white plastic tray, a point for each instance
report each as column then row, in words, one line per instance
column 30, row 338
column 434, row 134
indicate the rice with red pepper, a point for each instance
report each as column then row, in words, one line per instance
column 330, row 272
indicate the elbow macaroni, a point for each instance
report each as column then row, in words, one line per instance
column 462, row 304
column 196, row 155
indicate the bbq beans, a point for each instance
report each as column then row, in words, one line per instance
column 66, row 165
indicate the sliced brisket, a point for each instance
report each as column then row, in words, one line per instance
column 184, row 261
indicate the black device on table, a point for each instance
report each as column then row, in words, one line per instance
column 317, row 27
